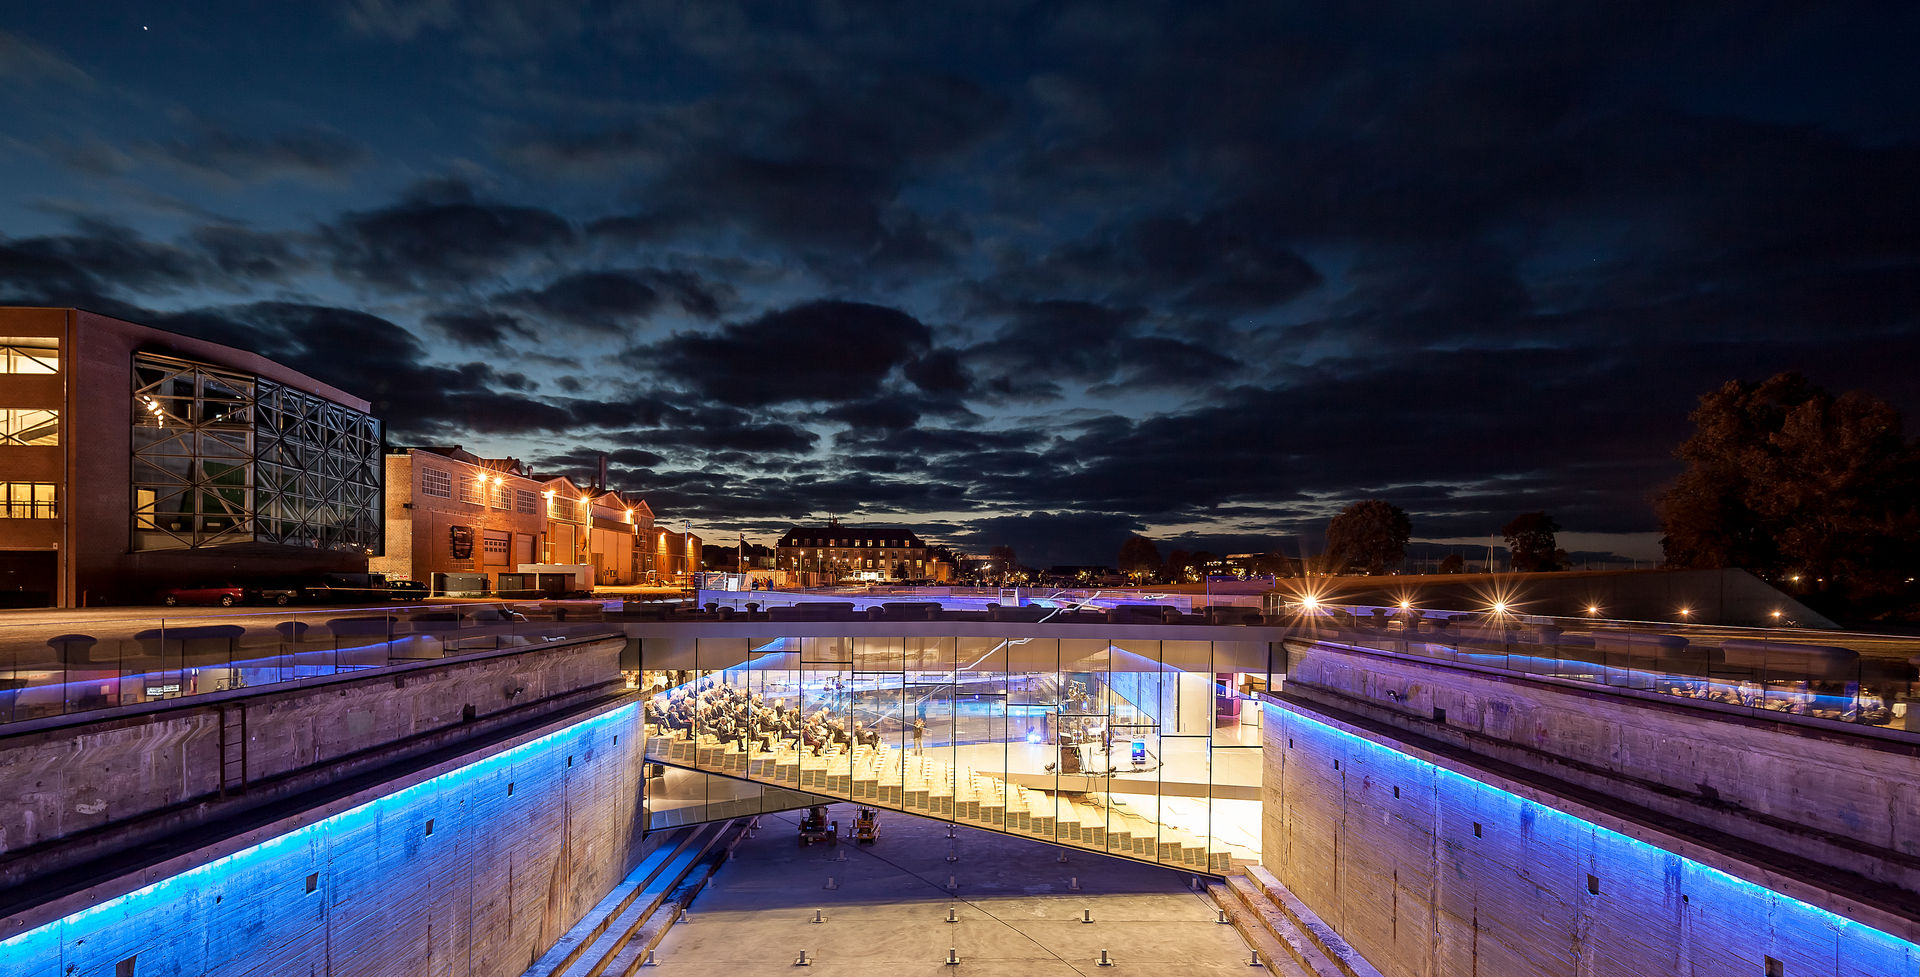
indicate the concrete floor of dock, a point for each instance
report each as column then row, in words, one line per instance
column 886, row 917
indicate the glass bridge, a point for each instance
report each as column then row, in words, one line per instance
column 1145, row 749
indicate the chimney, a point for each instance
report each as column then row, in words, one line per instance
column 603, row 471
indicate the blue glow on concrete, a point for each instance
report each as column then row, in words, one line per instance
column 39, row 950
column 1778, row 907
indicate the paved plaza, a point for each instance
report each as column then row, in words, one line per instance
column 886, row 915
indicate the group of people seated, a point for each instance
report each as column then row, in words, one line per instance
column 735, row 714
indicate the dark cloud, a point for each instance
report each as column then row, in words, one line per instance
column 441, row 232
column 612, row 301
column 224, row 153
column 1090, row 343
column 818, row 351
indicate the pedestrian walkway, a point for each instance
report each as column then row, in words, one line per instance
column 1017, row 909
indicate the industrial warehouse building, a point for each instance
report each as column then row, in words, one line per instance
column 132, row 459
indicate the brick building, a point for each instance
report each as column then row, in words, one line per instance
column 450, row 511
column 837, row 552
column 133, row 459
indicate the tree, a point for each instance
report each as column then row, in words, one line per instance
column 1454, row 563
column 1530, row 542
column 1784, row 478
column 1368, row 536
column 1139, row 558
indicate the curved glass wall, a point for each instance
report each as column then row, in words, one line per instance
column 1144, row 749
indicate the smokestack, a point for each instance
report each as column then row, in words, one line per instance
column 603, row 471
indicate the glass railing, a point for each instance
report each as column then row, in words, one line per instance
column 54, row 667
column 1843, row 677
column 1149, row 749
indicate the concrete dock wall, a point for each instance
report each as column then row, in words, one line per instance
column 1839, row 798
column 470, row 871
column 91, row 785
column 1429, row 872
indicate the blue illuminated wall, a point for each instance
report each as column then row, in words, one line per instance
column 1431, row 873
column 521, row 845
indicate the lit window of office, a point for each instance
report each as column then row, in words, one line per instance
column 471, row 491
column 29, row 426
column 29, row 354
column 27, row 500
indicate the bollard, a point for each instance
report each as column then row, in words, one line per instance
column 953, row 956
column 952, row 883
column 1086, row 915
column 1223, row 918
column 817, row 917
column 1195, row 884
column 803, row 961
column 1104, row 962
column 831, row 884
column 1063, row 858
column 648, row 962
column 953, row 856
column 1255, row 962
column 1074, row 883
column 842, row 856
column 951, row 918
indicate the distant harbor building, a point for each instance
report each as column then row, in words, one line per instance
column 855, row 553
column 133, row 459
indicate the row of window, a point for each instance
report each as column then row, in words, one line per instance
column 29, row 354
column 859, row 542
column 27, row 500
column 29, row 426
column 439, row 484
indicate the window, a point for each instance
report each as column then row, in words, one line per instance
column 524, row 502
column 502, row 496
column 27, row 500
column 470, row 490
column 437, row 483
column 29, row 354
column 29, row 426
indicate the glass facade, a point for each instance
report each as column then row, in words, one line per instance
column 221, row 457
column 1146, row 749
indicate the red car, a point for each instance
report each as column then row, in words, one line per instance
column 224, row 594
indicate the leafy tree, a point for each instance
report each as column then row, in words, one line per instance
column 1178, row 563
column 1785, row 478
column 1139, row 558
column 1530, row 542
column 1368, row 536
column 1454, row 563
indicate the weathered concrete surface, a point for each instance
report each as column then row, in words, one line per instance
column 95, row 784
column 1840, row 799
column 470, row 867
column 886, row 918
column 1429, row 871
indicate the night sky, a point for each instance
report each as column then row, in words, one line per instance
column 1041, row 274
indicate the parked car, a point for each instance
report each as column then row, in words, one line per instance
column 279, row 593
column 223, row 594
column 411, row 590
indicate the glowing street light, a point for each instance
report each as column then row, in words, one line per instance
column 1593, row 610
